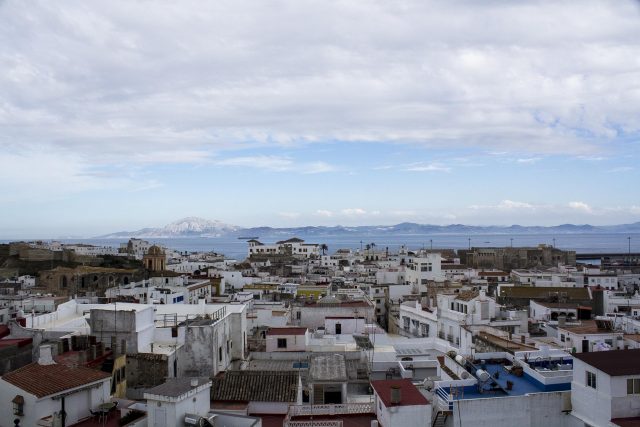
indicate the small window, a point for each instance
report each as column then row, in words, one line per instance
column 633, row 386
column 562, row 338
column 18, row 405
column 591, row 379
column 220, row 354
column 282, row 343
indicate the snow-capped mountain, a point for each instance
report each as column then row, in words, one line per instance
column 194, row 225
column 186, row 227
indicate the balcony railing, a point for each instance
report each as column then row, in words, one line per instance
column 338, row 409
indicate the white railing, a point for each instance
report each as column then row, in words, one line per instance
column 315, row 423
column 338, row 409
column 443, row 400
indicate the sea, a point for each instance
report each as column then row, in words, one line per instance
column 234, row 248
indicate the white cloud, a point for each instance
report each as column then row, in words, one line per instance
column 529, row 160
column 430, row 167
column 324, row 213
column 196, row 79
column 505, row 205
column 276, row 164
column 353, row 212
column 580, row 206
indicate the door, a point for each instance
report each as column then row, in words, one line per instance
column 338, row 328
column 585, row 346
column 159, row 417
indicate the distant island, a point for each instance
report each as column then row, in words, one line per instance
column 199, row 227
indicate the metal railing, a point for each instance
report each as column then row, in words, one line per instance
column 337, row 409
column 315, row 423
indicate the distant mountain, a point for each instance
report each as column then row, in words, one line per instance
column 198, row 227
column 186, row 227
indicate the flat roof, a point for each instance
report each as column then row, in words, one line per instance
column 287, row 331
column 615, row 362
column 175, row 387
column 409, row 394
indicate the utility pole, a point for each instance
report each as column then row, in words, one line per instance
column 554, row 242
column 431, row 243
column 469, row 243
column 629, row 239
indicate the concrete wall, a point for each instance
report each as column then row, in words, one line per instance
column 531, row 410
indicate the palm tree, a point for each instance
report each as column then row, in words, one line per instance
column 324, row 248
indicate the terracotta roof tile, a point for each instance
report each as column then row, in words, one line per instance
column 256, row 386
column 45, row 380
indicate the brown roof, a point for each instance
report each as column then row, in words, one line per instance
column 467, row 295
column 586, row 327
column 409, row 394
column 615, row 362
column 45, row 380
column 533, row 292
column 256, row 386
column 287, row 331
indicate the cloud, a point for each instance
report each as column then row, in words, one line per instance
column 276, row 164
column 580, row 206
column 324, row 213
column 529, row 160
column 621, row 169
column 430, row 167
column 180, row 82
column 505, row 205
column 353, row 212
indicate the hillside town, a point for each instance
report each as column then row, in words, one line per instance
column 296, row 336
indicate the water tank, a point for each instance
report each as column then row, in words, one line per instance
column 374, row 423
column 482, row 375
column 464, row 375
column 460, row 360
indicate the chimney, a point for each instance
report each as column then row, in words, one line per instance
column 46, row 355
column 194, row 382
column 396, row 394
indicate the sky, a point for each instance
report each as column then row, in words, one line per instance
column 119, row 115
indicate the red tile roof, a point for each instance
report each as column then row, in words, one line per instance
column 615, row 362
column 409, row 394
column 45, row 380
column 4, row 331
column 287, row 331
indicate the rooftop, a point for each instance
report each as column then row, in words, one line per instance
column 409, row 394
column 287, row 331
column 176, row 387
column 615, row 363
column 45, row 380
column 257, row 386
column 532, row 292
column 330, row 367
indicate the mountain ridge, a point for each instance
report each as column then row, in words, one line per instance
column 200, row 227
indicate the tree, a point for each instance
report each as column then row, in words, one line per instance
column 324, row 248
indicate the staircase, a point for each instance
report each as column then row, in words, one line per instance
column 440, row 419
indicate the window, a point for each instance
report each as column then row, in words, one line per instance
column 220, row 354
column 562, row 338
column 18, row 405
column 282, row 343
column 591, row 379
column 633, row 386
